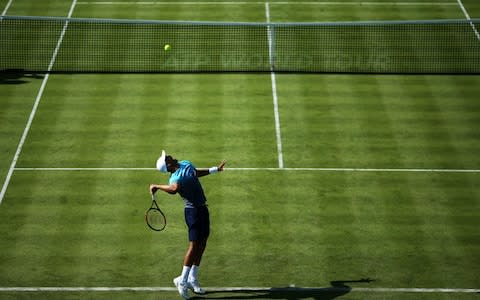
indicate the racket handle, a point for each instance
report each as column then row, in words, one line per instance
column 153, row 196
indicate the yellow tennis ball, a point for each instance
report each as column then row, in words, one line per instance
column 167, row 47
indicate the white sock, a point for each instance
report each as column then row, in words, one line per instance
column 193, row 273
column 185, row 273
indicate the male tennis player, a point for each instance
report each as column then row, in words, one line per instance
column 184, row 180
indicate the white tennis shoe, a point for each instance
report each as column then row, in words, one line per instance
column 182, row 287
column 195, row 287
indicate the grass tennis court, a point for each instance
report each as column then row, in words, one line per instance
column 330, row 177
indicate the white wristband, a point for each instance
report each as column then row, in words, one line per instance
column 213, row 170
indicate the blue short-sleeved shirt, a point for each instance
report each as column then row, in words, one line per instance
column 190, row 188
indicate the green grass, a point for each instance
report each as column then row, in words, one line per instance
column 380, row 121
column 228, row 13
column 16, row 105
column 344, row 226
column 349, row 226
column 149, row 112
column 335, row 13
column 270, row 228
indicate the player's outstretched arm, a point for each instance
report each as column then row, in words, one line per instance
column 212, row 170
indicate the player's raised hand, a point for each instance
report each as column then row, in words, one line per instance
column 153, row 188
column 221, row 165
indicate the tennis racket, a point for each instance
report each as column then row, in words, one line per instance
column 154, row 217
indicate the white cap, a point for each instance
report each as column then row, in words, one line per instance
column 161, row 165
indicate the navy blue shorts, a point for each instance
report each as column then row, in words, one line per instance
column 198, row 222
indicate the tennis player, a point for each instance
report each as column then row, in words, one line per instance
column 184, row 180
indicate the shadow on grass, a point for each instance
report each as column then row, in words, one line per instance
column 17, row 76
column 338, row 288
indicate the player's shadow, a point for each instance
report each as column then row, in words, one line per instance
column 17, row 76
column 338, row 288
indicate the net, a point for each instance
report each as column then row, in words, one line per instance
column 104, row 45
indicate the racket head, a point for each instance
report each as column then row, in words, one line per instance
column 155, row 219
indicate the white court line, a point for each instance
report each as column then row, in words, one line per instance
column 4, row 12
column 368, row 3
column 35, row 107
column 85, row 169
column 276, row 112
column 389, row 170
column 239, row 289
column 469, row 19
column 262, row 2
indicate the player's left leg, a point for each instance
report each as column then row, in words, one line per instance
column 198, row 240
column 198, row 222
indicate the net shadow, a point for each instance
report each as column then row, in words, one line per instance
column 17, row 76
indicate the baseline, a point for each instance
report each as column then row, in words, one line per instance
column 239, row 289
column 263, row 2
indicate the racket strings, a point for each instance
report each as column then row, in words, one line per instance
column 156, row 219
